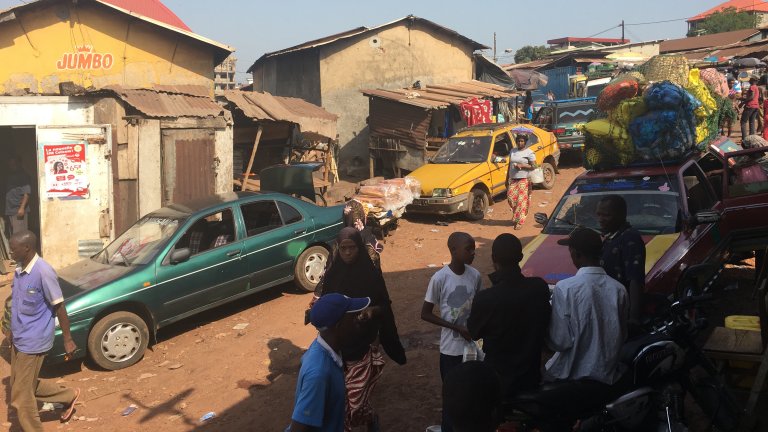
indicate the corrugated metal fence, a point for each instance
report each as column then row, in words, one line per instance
column 558, row 81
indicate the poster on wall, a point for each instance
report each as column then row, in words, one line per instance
column 66, row 174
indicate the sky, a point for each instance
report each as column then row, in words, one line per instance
column 254, row 27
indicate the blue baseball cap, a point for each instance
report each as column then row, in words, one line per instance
column 330, row 309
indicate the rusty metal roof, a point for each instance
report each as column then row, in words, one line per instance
column 260, row 106
column 441, row 96
column 159, row 104
column 706, row 41
column 363, row 30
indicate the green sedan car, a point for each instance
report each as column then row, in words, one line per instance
column 185, row 258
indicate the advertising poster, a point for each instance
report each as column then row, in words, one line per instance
column 66, row 174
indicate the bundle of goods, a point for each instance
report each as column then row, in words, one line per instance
column 660, row 113
column 387, row 198
column 672, row 68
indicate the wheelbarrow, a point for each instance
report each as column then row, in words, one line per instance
column 295, row 179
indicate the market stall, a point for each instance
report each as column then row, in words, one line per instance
column 271, row 130
column 406, row 125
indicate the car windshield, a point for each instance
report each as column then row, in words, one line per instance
column 463, row 150
column 652, row 204
column 140, row 243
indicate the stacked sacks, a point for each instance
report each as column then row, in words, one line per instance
column 672, row 68
column 716, row 82
column 668, row 130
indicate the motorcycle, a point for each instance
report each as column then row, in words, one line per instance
column 662, row 365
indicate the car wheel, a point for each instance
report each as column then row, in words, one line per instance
column 478, row 205
column 118, row 340
column 549, row 175
column 310, row 267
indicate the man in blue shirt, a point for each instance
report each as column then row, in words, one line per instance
column 36, row 301
column 320, row 391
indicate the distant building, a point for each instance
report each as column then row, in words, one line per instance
column 709, row 41
column 755, row 7
column 567, row 43
column 330, row 71
column 224, row 75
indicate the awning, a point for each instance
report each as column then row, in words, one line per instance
column 165, row 103
column 259, row 106
column 444, row 95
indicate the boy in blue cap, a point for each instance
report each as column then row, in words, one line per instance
column 320, row 392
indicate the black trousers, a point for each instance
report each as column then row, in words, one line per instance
column 749, row 115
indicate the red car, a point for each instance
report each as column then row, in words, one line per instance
column 695, row 211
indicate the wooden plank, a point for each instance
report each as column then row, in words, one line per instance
column 247, row 172
column 726, row 340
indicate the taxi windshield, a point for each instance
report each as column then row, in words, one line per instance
column 463, row 150
column 652, row 205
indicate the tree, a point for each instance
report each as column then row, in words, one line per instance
column 531, row 53
column 725, row 20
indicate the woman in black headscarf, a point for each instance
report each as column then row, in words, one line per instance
column 353, row 274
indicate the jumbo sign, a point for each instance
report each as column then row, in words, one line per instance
column 85, row 59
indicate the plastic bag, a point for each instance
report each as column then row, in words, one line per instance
column 699, row 90
column 716, row 81
column 616, row 92
column 627, row 110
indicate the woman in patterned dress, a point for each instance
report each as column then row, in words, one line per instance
column 521, row 161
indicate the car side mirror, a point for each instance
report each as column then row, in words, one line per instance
column 705, row 217
column 180, row 255
column 541, row 218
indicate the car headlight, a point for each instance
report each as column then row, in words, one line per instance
column 442, row 192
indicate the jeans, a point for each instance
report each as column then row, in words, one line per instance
column 749, row 116
column 447, row 362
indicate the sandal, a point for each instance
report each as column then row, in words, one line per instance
column 71, row 409
column 518, row 227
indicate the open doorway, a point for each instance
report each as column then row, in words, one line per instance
column 21, row 143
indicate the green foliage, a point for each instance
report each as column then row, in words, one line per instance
column 531, row 53
column 725, row 20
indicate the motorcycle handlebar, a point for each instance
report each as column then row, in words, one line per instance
column 688, row 302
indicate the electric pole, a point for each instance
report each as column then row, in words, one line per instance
column 494, row 47
column 622, row 32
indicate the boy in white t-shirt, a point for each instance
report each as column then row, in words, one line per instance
column 452, row 289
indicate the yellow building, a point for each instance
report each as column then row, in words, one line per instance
column 331, row 71
column 95, row 43
column 108, row 105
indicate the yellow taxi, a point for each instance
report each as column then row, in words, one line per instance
column 471, row 168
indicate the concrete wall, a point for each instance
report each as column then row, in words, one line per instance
column 224, row 150
column 394, row 57
column 130, row 52
column 149, row 166
column 45, row 110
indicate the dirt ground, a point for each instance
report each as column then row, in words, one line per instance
column 247, row 377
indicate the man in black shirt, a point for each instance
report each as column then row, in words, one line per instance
column 512, row 318
column 623, row 251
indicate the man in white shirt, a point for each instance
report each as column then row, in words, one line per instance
column 589, row 316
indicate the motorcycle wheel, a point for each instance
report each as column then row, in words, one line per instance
column 714, row 398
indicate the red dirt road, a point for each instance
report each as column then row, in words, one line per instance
column 247, row 377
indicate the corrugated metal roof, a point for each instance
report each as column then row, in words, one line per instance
column 531, row 64
column 441, row 96
column 264, row 106
column 193, row 90
column 152, row 9
column 739, row 5
column 706, row 41
column 362, row 30
column 158, row 104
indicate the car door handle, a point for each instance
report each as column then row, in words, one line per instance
column 233, row 253
column 300, row 231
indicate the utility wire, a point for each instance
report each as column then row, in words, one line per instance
column 657, row 22
column 604, row 31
